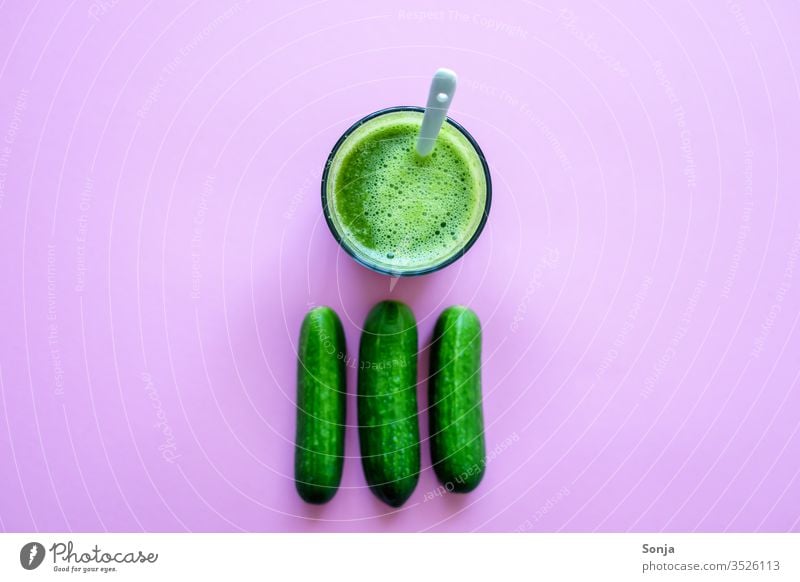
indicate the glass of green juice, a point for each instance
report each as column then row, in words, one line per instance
column 399, row 213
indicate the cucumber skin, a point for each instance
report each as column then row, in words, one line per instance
column 321, row 406
column 387, row 402
column 458, row 448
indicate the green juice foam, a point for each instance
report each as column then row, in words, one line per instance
column 396, row 209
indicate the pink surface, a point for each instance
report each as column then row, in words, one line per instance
column 162, row 237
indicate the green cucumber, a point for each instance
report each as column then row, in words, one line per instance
column 458, row 448
column 387, row 402
column 321, row 404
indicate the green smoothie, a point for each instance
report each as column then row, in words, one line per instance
column 397, row 211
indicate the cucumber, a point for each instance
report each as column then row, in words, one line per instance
column 458, row 449
column 387, row 402
column 321, row 406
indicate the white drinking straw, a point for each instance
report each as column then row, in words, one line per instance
column 443, row 87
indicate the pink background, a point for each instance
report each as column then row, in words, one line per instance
column 638, row 280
